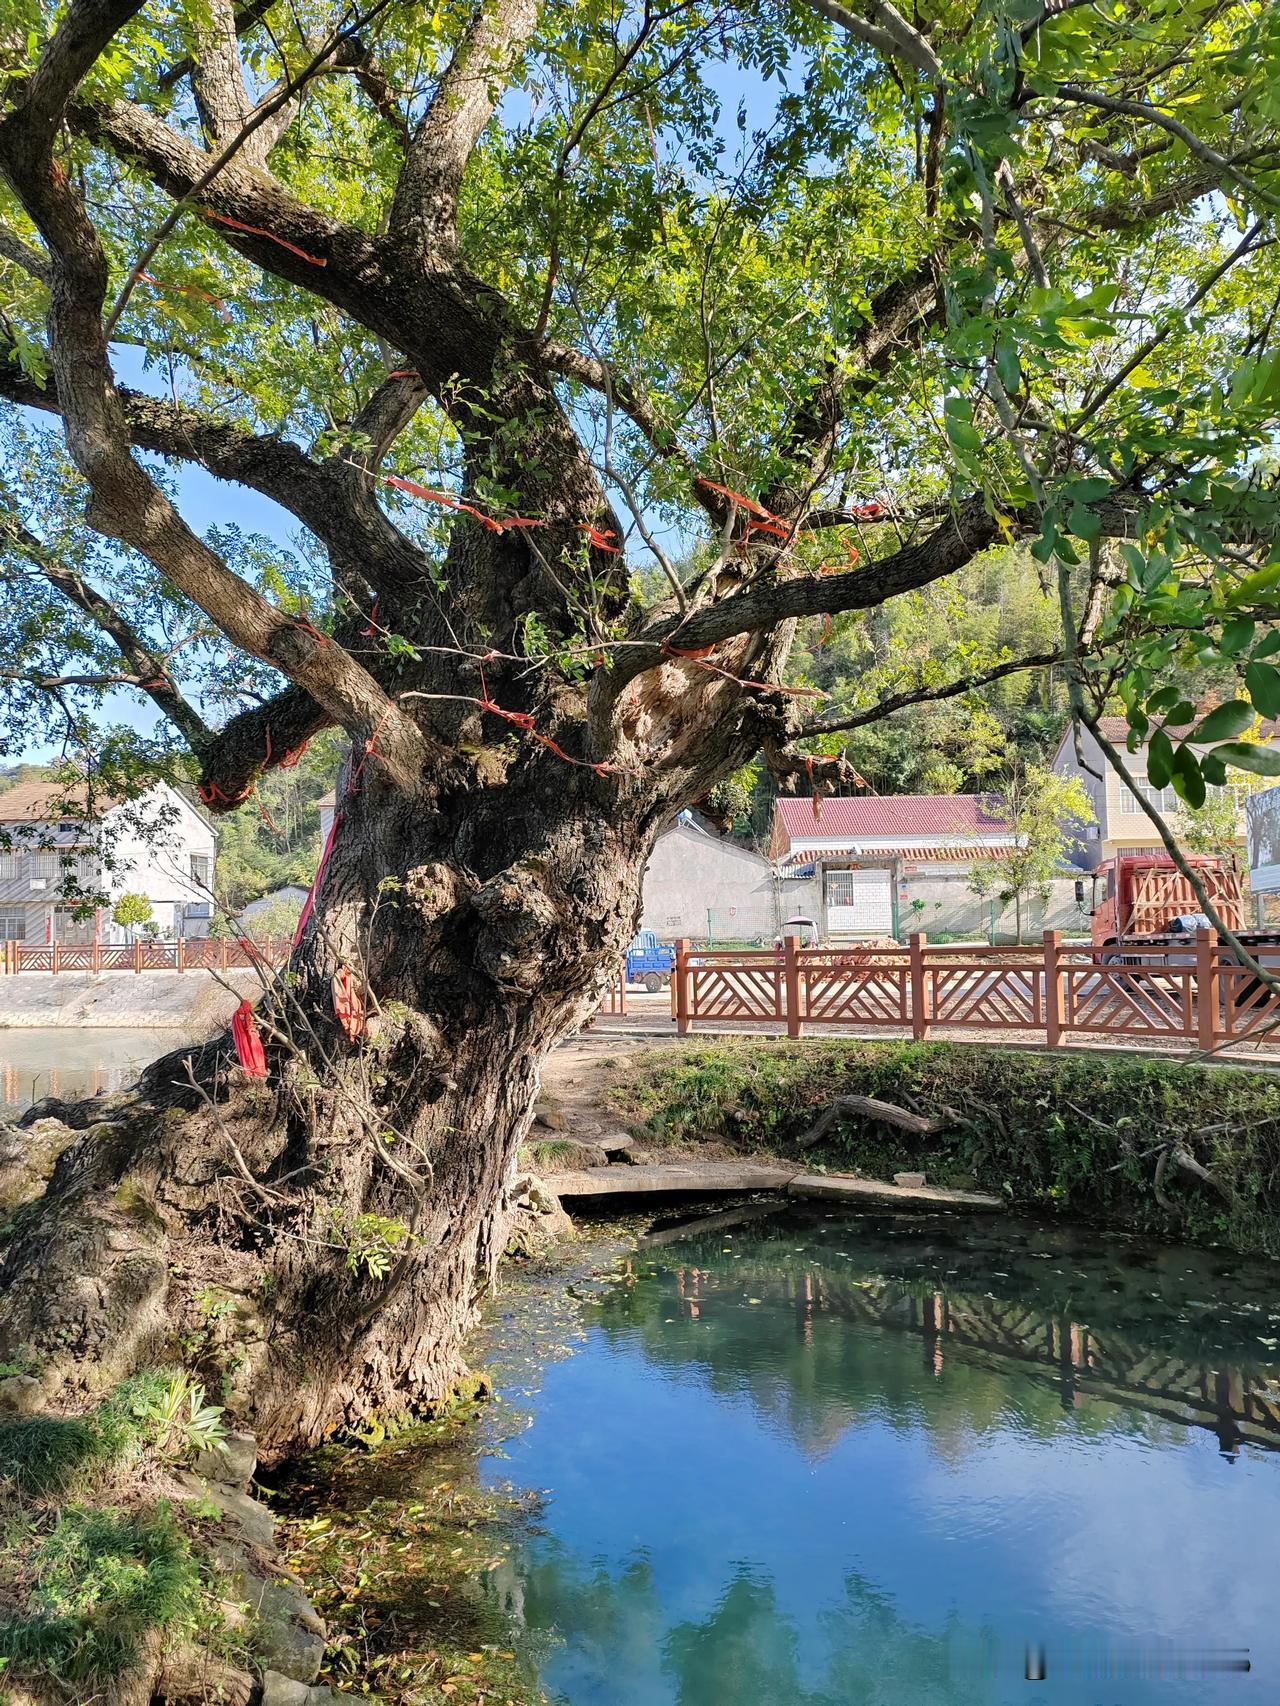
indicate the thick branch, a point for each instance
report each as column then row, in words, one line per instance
column 217, row 76
column 255, row 741
column 22, row 254
column 150, row 670
column 890, row 34
column 1194, row 144
column 84, row 33
column 424, row 209
column 126, row 504
column 947, row 549
column 926, row 695
column 328, row 497
column 245, row 19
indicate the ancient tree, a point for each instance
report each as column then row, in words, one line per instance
column 583, row 391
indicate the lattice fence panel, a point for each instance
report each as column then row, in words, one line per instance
column 1007, row 997
column 728, row 992
column 1248, row 1006
column 857, row 994
column 1136, row 1000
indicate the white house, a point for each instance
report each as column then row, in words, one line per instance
column 699, row 884
column 890, row 863
column 160, row 846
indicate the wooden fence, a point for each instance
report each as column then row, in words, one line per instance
column 188, row 953
column 1198, row 994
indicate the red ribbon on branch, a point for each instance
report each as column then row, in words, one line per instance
column 249, row 1050
column 429, row 495
column 185, row 290
column 257, row 231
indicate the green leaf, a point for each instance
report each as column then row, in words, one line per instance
column 1188, row 782
column 1181, row 712
column 1237, row 634
column 1083, row 522
column 1246, row 755
column 1160, row 759
column 1259, row 581
column 1163, row 700
column 1227, row 720
column 1263, row 682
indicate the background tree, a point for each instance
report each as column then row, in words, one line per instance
column 1007, row 280
column 132, row 912
column 1043, row 812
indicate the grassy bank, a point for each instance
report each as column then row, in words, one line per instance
column 1087, row 1137
column 106, row 1570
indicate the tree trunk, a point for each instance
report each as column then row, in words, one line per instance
column 316, row 1242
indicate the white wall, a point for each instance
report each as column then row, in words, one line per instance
column 151, row 843
column 693, row 873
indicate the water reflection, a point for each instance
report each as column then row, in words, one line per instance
column 75, row 1061
column 1148, row 1327
column 826, row 1460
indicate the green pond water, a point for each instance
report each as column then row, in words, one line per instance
column 903, row 1461
column 72, row 1061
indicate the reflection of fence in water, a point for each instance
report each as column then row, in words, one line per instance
column 1236, row 1403
column 20, row 1085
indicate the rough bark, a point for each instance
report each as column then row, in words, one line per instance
column 485, row 921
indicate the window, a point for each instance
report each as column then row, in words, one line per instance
column 10, row 865
column 13, row 924
column 1163, row 799
column 46, row 865
column 200, row 869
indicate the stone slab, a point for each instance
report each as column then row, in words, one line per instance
column 699, row 1176
column 843, row 1187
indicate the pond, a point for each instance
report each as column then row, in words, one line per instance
column 72, row 1061
column 904, row 1461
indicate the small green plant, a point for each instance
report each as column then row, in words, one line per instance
column 163, row 1409
column 371, row 1240
column 179, row 1419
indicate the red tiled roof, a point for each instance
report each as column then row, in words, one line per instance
column 37, row 802
column 945, row 817
column 1116, row 729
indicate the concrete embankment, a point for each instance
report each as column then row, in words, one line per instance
column 189, row 1000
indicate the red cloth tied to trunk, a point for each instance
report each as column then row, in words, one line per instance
column 244, row 1033
column 348, row 1004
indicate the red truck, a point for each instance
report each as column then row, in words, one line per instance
column 1139, row 897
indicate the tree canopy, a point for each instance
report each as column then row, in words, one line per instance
column 515, row 308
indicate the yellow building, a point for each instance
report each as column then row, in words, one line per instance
column 1123, row 826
